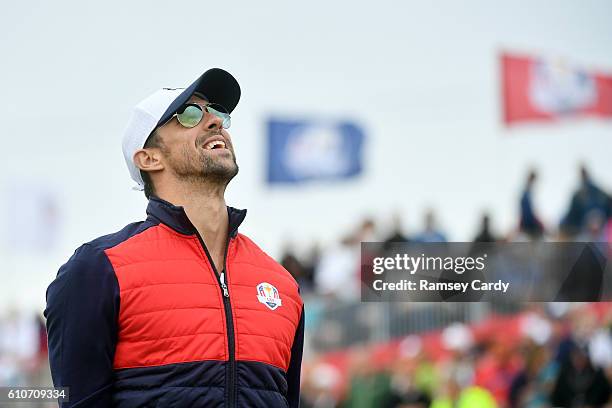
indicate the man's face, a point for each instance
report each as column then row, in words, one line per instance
column 201, row 153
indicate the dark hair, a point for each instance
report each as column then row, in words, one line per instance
column 154, row 140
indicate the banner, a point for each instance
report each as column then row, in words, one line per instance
column 539, row 89
column 301, row 151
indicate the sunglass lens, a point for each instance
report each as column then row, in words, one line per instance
column 220, row 112
column 190, row 116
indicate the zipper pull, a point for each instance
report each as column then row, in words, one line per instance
column 223, row 285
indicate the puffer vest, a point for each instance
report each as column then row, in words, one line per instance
column 184, row 333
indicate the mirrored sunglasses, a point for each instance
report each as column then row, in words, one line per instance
column 190, row 114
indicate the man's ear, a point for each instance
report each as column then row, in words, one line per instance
column 148, row 159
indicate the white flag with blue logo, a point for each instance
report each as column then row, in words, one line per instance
column 300, row 151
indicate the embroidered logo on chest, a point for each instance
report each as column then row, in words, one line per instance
column 268, row 295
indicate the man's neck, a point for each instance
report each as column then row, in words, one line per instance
column 206, row 209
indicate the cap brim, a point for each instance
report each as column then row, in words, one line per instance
column 217, row 85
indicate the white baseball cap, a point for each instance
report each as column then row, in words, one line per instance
column 216, row 85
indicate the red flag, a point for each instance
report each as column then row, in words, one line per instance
column 538, row 89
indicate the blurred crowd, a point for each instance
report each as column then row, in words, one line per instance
column 23, row 353
column 335, row 270
column 560, row 360
column 559, row 355
column 23, row 348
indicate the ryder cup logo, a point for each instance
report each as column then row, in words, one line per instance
column 268, row 295
column 558, row 88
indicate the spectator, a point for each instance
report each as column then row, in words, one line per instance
column 290, row 262
column 320, row 385
column 587, row 198
column 368, row 387
column 366, row 231
column 19, row 347
column 496, row 369
column 530, row 223
column 309, row 264
column 430, row 233
column 600, row 348
column 338, row 271
column 531, row 387
column 397, row 235
column 485, row 235
column 409, row 383
column 580, row 384
column 471, row 397
column 336, row 274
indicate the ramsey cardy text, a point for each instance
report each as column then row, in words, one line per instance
column 425, row 285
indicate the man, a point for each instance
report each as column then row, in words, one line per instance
column 529, row 222
column 179, row 310
column 588, row 199
column 431, row 233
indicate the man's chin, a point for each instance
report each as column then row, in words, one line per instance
column 221, row 173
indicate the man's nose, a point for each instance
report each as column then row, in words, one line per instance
column 212, row 121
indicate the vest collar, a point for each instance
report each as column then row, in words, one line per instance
column 176, row 218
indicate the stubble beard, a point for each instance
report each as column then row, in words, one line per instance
column 206, row 169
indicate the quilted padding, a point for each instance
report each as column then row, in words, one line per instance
column 171, row 308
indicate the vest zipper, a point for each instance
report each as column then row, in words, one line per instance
column 229, row 320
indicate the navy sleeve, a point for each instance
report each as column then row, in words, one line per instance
column 295, row 366
column 81, row 312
